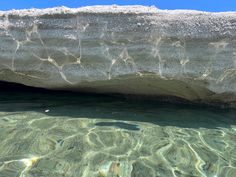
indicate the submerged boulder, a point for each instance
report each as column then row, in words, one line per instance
column 133, row 50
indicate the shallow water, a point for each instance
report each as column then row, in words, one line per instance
column 67, row 134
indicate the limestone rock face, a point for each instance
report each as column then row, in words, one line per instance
column 122, row 49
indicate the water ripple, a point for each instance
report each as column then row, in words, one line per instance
column 78, row 140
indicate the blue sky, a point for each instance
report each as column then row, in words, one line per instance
column 204, row 5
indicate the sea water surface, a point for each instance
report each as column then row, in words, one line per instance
column 56, row 134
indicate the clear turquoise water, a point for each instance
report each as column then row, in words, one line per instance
column 66, row 134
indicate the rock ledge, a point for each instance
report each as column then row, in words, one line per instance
column 122, row 49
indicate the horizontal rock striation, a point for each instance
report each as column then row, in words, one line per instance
column 122, row 49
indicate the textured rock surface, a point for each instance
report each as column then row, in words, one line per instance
column 129, row 49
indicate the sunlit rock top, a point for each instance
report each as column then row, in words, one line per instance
column 137, row 9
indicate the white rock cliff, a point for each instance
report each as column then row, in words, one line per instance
column 133, row 50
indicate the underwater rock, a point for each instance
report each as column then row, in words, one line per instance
column 140, row 170
column 115, row 169
column 133, row 50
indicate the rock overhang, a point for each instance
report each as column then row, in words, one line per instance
column 122, row 49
